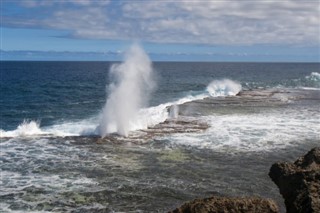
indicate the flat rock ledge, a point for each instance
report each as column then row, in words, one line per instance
column 229, row 205
column 299, row 182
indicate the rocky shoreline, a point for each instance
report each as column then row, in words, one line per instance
column 228, row 204
column 298, row 182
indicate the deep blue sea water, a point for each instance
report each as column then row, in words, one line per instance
column 54, row 91
column 53, row 163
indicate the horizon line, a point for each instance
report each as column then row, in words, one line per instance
column 181, row 61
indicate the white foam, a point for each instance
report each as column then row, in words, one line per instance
column 224, row 87
column 23, row 166
column 151, row 116
column 254, row 132
column 26, row 128
column 144, row 118
column 312, row 80
column 314, row 76
column 66, row 128
column 309, row 88
column 74, row 128
column 6, row 208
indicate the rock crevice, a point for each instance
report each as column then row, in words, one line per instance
column 299, row 182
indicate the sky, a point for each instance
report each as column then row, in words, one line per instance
column 169, row 30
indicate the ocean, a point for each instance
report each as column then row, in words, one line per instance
column 198, row 129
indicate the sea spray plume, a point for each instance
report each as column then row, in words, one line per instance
column 224, row 87
column 132, row 84
column 174, row 111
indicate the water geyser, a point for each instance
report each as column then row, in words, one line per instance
column 132, row 84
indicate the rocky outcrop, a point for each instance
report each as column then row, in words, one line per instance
column 299, row 182
column 228, row 205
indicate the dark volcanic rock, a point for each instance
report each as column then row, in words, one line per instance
column 228, row 205
column 299, row 182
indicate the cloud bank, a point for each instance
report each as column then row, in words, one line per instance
column 222, row 22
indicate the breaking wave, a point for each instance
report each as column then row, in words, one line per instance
column 314, row 76
column 145, row 117
column 311, row 81
column 223, row 87
column 26, row 128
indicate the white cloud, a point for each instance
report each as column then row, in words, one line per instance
column 88, row 2
column 210, row 22
column 46, row 3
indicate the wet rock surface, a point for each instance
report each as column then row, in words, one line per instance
column 170, row 126
column 228, row 205
column 248, row 101
column 299, row 182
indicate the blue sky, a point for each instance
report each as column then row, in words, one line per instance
column 185, row 30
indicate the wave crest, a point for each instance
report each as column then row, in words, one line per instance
column 314, row 76
column 224, row 87
column 145, row 117
column 26, row 128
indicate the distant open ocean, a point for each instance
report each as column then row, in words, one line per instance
column 202, row 140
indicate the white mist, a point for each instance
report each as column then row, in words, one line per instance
column 132, row 83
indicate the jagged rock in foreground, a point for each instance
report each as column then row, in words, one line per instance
column 228, row 205
column 299, row 182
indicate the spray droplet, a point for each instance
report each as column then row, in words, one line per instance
column 174, row 111
column 132, row 84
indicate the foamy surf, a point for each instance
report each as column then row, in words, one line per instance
column 214, row 136
column 314, row 76
column 311, row 81
column 253, row 132
column 68, row 128
column 225, row 87
column 148, row 117
column 145, row 117
column 25, row 129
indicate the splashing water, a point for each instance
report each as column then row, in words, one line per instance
column 315, row 76
column 124, row 110
column 223, row 87
column 26, row 128
column 174, row 111
column 130, row 90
